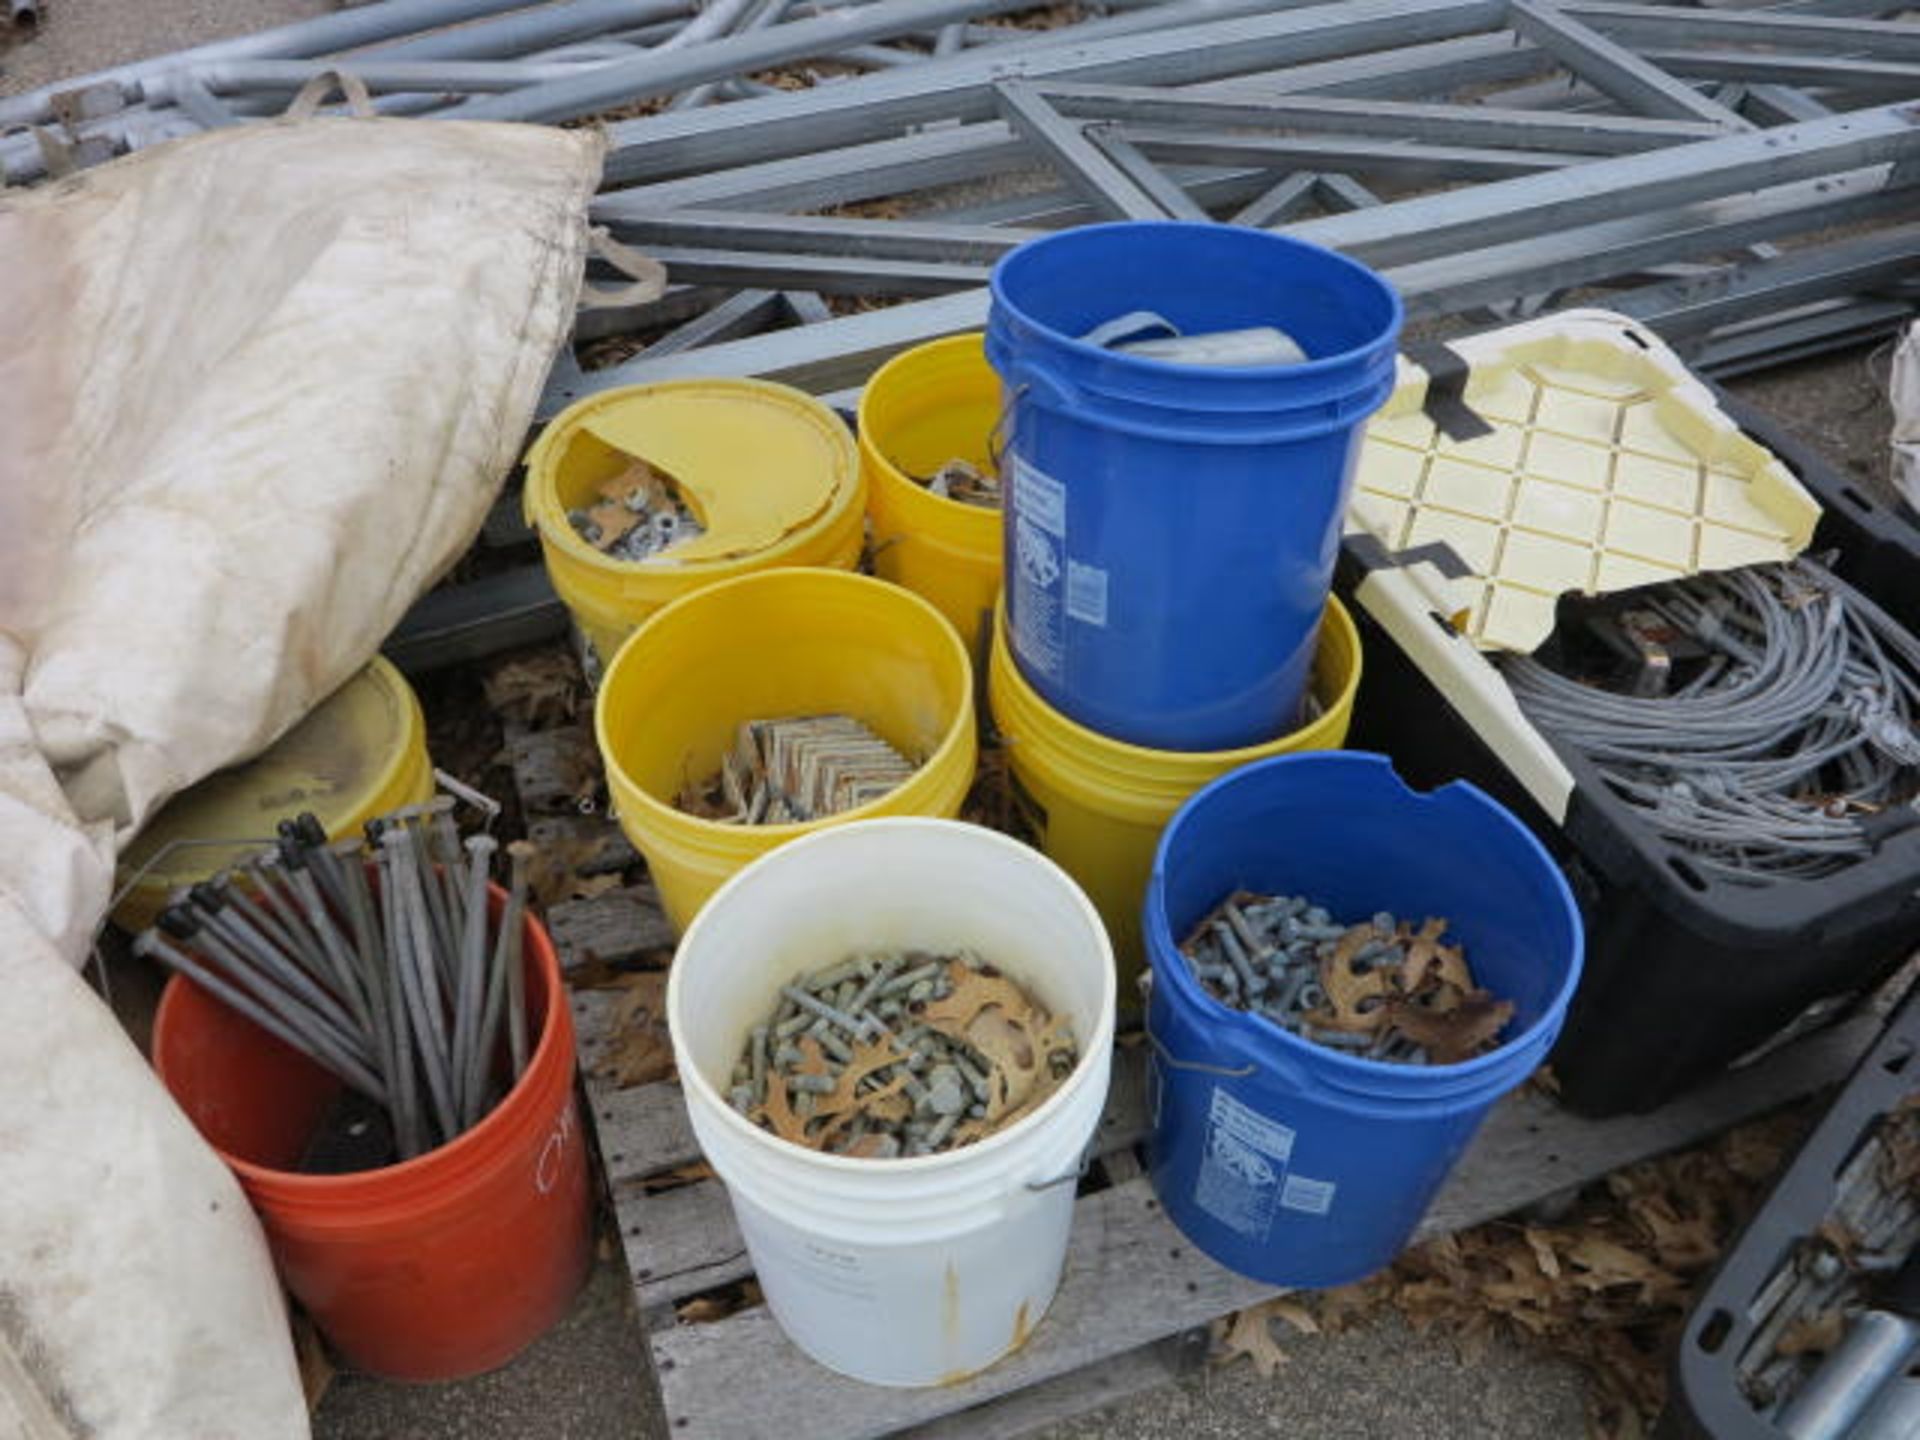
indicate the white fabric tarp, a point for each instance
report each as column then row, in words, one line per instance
column 257, row 392
column 1904, row 393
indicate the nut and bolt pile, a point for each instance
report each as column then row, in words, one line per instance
column 639, row 515
column 1382, row 989
column 900, row 1053
column 403, row 989
column 782, row 772
column 965, row 482
column 1821, row 1287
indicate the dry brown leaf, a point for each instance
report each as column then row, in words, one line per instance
column 1543, row 1252
column 972, row 993
column 641, row 1051
column 678, row 1177
column 539, row 690
column 1453, row 1035
column 705, row 1310
column 1247, row 1333
column 1294, row 1314
column 310, row 1354
column 585, row 887
column 777, row 1112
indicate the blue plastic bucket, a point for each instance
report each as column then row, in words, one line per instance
column 1172, row 528
column 1287, row 1161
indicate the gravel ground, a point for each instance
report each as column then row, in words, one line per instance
column 591, row 1376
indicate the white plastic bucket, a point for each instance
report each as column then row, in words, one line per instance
column 916, row 1271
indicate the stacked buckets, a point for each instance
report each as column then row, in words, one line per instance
column 1152, row 608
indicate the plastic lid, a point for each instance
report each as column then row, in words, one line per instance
column 343, row 762
column 751, row 461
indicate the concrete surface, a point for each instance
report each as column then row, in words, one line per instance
column 1383, row 1379
column 590, row 1378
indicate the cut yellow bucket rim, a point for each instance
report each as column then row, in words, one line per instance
column 375, row 715
column 761, row 646
column 781, row 465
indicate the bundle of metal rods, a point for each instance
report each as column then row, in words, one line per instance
column 375, row 959
column 1793, row 742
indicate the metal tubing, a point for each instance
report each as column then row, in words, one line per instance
column 512, row 934
column 323, row 35
column 315, row 1047
column 1490, row 214
column 1653, row 27
column 1104, row 185
column 1143, row 174
column 1615, row 70
column 663, row 74
column 527, row 30
column 424, row 997
column 820, row 235
column 1478, row 125
column 1398, row 158
column 961, row 86
column 471, row 996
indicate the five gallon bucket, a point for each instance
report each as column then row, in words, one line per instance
column 911, row 1271
column 436, row 1268
column 1305, row 1166
column 770, row 474
column 361, row 752
column 934, row 403
column 1097, row 805
column 1171, row 528
column 766, row 647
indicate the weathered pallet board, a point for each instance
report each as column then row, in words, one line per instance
column 1132, row 1278
column 1133, row 1286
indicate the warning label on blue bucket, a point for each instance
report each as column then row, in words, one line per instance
column 1245, row 1162
column 1036, row 605
column 1244, row 1176
column 1310, row 1197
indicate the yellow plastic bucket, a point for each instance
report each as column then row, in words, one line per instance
column 931, row 404
column 1098, row 805
column 781, row 643
column 769, row 472
column 360, row 752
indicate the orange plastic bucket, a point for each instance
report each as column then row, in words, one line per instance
column 441, row 1267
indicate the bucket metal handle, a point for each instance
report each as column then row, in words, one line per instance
column 1197, row 1066
column 1086, row 1160
column 999, row 439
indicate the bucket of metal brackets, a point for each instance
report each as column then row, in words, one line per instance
column 726, row 681
column 926, row 439
column 436, row 1268
column 906, row 1271
column 1171, row 524
column 359, row 753
column 1097, row 805
column 1288, row 1160
column 647, row 493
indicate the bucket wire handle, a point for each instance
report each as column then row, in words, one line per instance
column 1198, row 1067
column 1000, row 438
column 1076, row 1173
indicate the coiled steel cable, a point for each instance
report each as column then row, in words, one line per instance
column 1800, row 723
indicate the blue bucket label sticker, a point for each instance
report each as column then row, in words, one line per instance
column 1309, row 1197
column 1037, row 606
column 1244, row 1165
column 1086, row 593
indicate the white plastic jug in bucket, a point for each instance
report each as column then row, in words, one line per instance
column 912, row 1271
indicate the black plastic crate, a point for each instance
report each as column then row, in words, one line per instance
column 1731, row 1316
column 1685, row 973
column 1878, row 541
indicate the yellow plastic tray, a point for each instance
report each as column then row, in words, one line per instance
column 1608, row 466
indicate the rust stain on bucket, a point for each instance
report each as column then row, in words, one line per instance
column 950, row 1307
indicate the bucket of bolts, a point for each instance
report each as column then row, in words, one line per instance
column 375, row 1038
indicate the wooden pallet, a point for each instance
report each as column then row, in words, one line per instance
column 1132, row 1308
